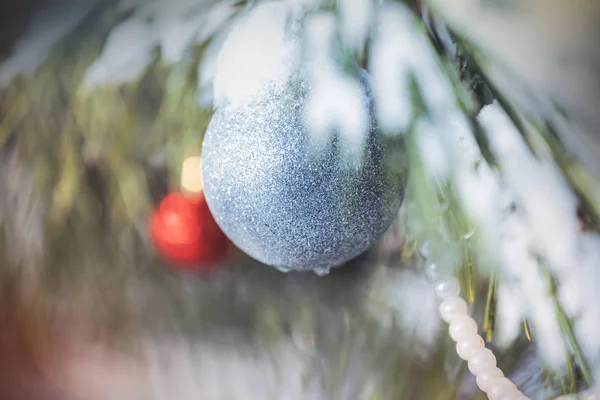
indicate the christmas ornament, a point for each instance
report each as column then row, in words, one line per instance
column 272, row 192
column 183, row 228
column 282, row 203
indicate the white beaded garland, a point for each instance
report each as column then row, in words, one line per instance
column 486, row 377
column 453, row 307
column 462, row 327
column 500, row 387
column 469, row 345
column 481, row 360
column 447, row 287
column 433, row 271
column 512, row 395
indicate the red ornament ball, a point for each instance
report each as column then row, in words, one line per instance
column 186, row 233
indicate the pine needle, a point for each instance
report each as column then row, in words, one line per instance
column 527, row 330
column 567, row 329
column 488, row 318
column 469, row 272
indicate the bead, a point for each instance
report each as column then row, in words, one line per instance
column 433, row 271
column 499, row 387
column 481, row 360
column 487, row 376
column 462, row 327
column 468, row 346
column 452, row 308
column 508, row 395
column 447, row 287
column 438, row 270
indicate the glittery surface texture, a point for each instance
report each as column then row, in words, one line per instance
column 285, row 204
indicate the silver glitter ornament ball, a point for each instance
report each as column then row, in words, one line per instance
column 287, row 205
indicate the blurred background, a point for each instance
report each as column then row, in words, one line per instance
column 101, row 104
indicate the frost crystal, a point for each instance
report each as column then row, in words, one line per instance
column 269, row 56
column 338, row 101
column 355, row 22
column 400, row 56
column 170, row 26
